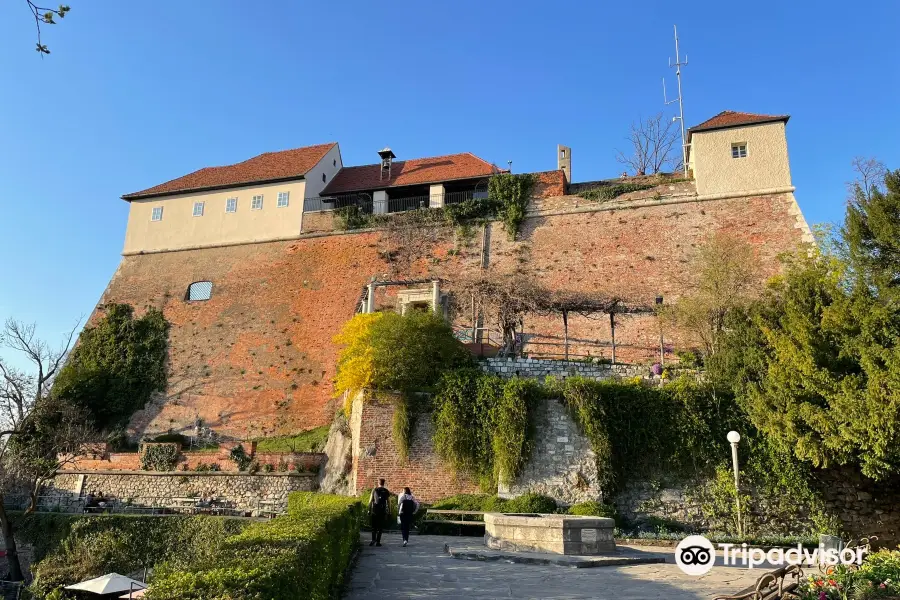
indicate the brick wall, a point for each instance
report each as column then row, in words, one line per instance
column 257, row 358
column 548, row 184
column 376, row 456
column 319, row 221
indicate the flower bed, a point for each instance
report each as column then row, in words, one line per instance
column 878, row 577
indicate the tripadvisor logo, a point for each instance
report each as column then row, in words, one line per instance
column 696, row 555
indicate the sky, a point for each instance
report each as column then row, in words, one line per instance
column 134, row 94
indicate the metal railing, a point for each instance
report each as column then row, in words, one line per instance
column 366, row 205
column 363, row 201
column 149, row 505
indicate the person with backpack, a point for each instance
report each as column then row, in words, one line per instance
column 407, row 506
column 378, row 509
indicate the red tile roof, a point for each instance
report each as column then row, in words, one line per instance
column 730, row 118
column 270, row 166
column 417, row 171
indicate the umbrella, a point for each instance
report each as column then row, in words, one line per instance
column 136, row 594
column 111, row 583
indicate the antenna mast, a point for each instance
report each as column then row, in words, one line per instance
column 678, row 64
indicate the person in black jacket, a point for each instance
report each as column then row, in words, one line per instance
column 407, row 506
column 378, row 509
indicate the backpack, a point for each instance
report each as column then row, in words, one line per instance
column 408, row 506
column 379, row 500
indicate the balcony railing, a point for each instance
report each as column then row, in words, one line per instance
column 366, row 204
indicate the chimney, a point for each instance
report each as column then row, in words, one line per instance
column 564, row 161
column 386, row 157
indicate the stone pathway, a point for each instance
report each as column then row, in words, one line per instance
column 422, row 570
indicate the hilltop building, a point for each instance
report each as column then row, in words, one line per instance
column 249, row 267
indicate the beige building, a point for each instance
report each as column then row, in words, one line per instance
column 737, row 153
column 260, row 199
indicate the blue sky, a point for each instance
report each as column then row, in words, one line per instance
column 134, row 94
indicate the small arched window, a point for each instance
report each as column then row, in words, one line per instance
column 323, row 177
column 199, row 291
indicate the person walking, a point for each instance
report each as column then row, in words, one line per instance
column 407, row 507
column 378, row 508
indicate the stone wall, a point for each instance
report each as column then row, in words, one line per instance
column 244, row 492
column 541, row 368
column 562, row 465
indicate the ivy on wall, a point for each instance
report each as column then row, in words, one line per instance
column 508, row 197
column 512, row 193
column 484, row 425
column 118, row 364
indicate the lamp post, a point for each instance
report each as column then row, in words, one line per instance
column 734, row 437
column 662, row 346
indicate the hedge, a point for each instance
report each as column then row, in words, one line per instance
column 526, row 503
column 71, row 548
column 307, row 549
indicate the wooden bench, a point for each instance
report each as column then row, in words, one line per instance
column 775, row 585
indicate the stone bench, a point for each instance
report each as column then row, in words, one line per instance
column 559, row 534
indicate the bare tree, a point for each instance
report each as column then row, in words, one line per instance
column 724, row 277
column 29, row 444
column 506, row 298
column 654, row 146
column 870, row 174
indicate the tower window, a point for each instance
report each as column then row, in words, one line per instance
column 231, row 205
column 334, row 163
column 323, row 177
column 256, row 203
column 739, row 150
column 156, row 214
column 199, row 291
column 283, row 199
column 198, row 209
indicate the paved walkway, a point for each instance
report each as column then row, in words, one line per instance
column 422, row 570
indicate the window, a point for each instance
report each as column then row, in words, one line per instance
column 256, row 203
column 199, row 291
column 739, row 150
column 334, row 163
column 198, row 209
column 156, row 215
column 323, row 177
column 231, row 205
column 283, row 198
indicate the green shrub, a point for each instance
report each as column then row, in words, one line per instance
column 240, row 457
column 531, row 503
column 159, row 457
column 594, row 509
column 70, row 548
column 306, row 551
column 613, row 190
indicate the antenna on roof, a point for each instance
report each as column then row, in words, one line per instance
column 509, row 164
column 680, row 100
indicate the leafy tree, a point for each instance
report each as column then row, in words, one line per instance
column 389, row 352
column 816, row 362
column 872, row 234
